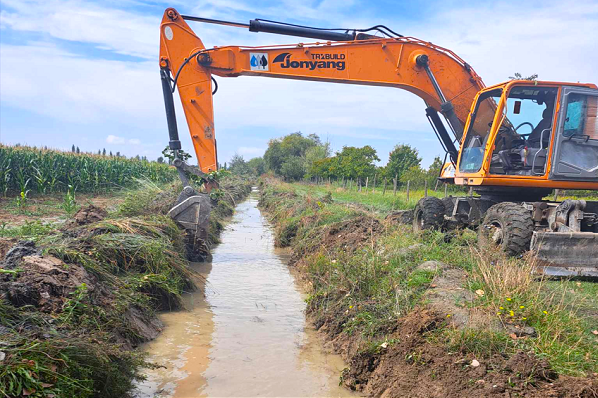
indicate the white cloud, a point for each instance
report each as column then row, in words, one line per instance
column 551, row 39
column 113, row 139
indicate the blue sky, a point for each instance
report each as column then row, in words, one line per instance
column 86, row 72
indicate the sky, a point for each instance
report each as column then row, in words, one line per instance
column 86, row 72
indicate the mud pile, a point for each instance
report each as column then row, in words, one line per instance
column 413, row 366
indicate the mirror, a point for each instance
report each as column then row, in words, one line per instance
column 517, row 108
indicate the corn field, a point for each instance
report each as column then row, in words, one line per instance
column 32, row 170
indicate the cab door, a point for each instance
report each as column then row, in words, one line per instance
column 576, row 143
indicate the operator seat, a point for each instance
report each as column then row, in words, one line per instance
column 533, row 140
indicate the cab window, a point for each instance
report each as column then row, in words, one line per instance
column 472, row 155
column 523, row 138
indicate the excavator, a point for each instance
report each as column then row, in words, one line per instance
column 511, row 144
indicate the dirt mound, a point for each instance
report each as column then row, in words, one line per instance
column 44, row 282
column 87, row 215
column 400, row 217
column 352, row 234
column 5, row 245
column 410, row 365
column 14, row 255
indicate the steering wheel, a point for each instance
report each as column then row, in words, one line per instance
column 523, row 124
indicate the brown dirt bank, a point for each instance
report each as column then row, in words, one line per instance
column 409, row 357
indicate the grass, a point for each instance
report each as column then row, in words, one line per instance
column 372, row 200
column 364, row 289
column 136, row 266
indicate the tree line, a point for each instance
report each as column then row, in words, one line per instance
column 297, row 157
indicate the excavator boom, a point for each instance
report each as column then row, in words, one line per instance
column 511, row 171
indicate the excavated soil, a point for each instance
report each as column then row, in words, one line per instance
column 86, row 215
column 414, row 367
column 352, row 234
column 46, row 283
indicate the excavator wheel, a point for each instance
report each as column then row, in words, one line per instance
column 508, row 226
column 428, row 214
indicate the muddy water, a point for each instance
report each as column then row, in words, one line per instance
column 244, row 333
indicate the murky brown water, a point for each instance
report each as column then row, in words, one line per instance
column 247, row 335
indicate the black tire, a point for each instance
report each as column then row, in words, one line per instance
column 509, row 226
column 428, row 214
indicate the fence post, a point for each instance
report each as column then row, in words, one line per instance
column 374, row 186
column 408, row 183
column 384, row 189
column 556, row 195
column 367, row 179
column 445, row 189
column 394, row 190
column 436, row 185
column 425, row 188
column 328, row 180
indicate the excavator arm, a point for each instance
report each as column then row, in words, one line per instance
column 402, row 62
column 406, row 63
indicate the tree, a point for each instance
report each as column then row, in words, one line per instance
column 110, row 153
column 238, row 165
column 160, row 159
column 292, row 169
column 402, row 158
column 283, row 149
column 357, row 162
column 257, row 166
column 77, row 150
column 73, row 148
column 312, row 155
column 104, row 152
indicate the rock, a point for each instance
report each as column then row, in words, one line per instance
column 521, row 331
column 475, row 363
column 432, row 265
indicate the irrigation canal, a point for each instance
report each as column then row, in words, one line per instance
column 244, row 332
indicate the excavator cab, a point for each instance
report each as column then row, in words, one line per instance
column 520, row 133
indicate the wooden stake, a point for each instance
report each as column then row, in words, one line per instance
column 374, row 187
column 445, row 189
column 425, row 188
column 394, row 190
column 556, row 195
column 384, row 189
column 367, row 179
column 408, row 182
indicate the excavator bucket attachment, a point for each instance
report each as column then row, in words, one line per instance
column 567, row 253
column 192, row 212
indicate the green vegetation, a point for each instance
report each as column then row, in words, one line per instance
column 71, row 318
column 364, row 278
column 25, row 170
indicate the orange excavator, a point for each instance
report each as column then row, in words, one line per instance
column 512, row 143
